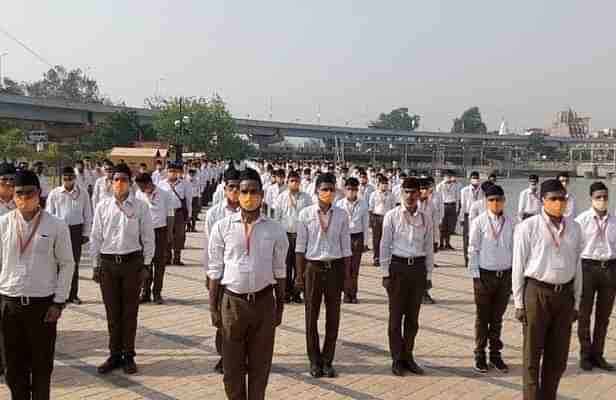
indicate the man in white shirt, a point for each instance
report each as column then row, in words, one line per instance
column 451, row 201
column 381, row 201
column 71, row 204
column 35, row 275
column 529, row 203
column 468, row 195
column 365, row 188
column 102, row 186
column 357, row 212
column 83, row 177
column 307, row 185
column 272, row 192
column 478, row 207
column 490, row 253
column 430, row 208
column 598, row 265
column 193, row 181
column 7, row 191
column 121, row 247
column 287, row 207
column 246, row 254
column 159, row 204
column 547, row 290
column 159, row 172
column 571, row 210
column 407, row 258
column 39, row 169
column 323, row 252
column 181, row 195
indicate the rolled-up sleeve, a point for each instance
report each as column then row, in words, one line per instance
column 302, row 235
column 279, row 258
column 474, row 247
column 520, row 258
column 429, row 248
column 386, row 244
column 345, row 237
column 63, row 254
column 96, row 236
column 216, row 252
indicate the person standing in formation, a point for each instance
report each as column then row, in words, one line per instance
column 121, row 247
column 39, row 169
column 529, row 203
column 407, row 251
column 323, row 252
column 159, row 172
column 287, row 207
column 159, row 204
column 478, row 207
column 429, row 208
column 469, row 194
column 71, row 204
column 195, row 185
column 450, row 195
column 7, row 188
column 35, row 275
column 599, row 276
column 571, row 210
column 247, row 255
column 357, row 211
column 102, row 187
column 272, row 192
column 490, row 253
column 365, row 188
column 547, row 290
column 181, row 194
column 381, row 201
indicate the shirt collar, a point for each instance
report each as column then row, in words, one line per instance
column 69, row 191
column 495, row 217
column 130, row 200
column 595, row 214
column 237, row 217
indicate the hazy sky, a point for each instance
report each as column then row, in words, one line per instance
column 352, row 59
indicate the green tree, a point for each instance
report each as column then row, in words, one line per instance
column 398, row 119
column 469, row 122
column 209, row 127
column 12, row 87
column 119, row 129
column 13, row 145
column 61, row 83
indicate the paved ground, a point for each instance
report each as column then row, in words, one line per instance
column 176, row 353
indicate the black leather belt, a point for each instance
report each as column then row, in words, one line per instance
column 326, row 265
column 121, row 258
column 26, row 301
column 409, row 260
column 356, row 236
column 251, row 297
column 498, row 274
column 292, row 235
column 599, row 263
column 555, row 287
column 450, row 203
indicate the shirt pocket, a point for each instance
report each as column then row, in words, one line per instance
column 42, row 244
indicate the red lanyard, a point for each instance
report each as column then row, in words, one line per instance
column 129, row 216
column 475, row 193
column 248, row 229
column 325, row 220
column 601, row 228
column 495, row 234
column 408, row 218
column 351, row 210
column 555, row 238
column 23, row 246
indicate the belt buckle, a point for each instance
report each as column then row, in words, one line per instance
column 603, row 264
column 558, row 288
column 24, row 301
column 410, row 261
column 499, row 274
column 250, row 297
column 327, row 265
column 118, row 259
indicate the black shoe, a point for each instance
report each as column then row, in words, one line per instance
column 130, row 367
column 347, row 300
column 586, row 364
column 329, row 371
column 298, row 299
column 497, row 362
column 110, row 364
column 178, row 262
column 481, row 365
column 376, row 262
column 316, row 371
column 145, row 298
column 449, row 247
column 427, row 299
column 601, row 363
column 158, row 299
column 412, row 366
column 75, row 300
column 397, row 368
column 354, row 300
column 218, row 367
column 441, row 247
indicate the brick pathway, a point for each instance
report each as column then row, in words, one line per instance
column 176, row 353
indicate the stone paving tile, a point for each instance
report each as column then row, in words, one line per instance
column 176, row 353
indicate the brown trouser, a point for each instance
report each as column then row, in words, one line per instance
column 600, row 282
column 408, row 283
column 547, row 333
column 120, row 286
column 321, row 283
column 154, row 283
column 248, row 330
column 357, row 248
column 465, row 233
column 448, row 225
column 291, row 267
column 177, row 235
column 492, row 292
column 196, row 209
column 76, row 235
column 376, row 223
column 30, row 343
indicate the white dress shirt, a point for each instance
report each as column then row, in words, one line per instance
column 365, row 191
column 428, row 208
column 490, row 243
column 468, row 196
column 158, row 176
column 536, row 256
column 213, row 215
column 178, row 191
column 598, row 235
column 529, row 203
column 102, row 190
column 121, row 229
column 381, row 202
column 404, row 239
column 358, row 215
column 477, row 208
column 244, row 268
column 73, row 207
column 571, row 210
column 307, row 187
column 6, row 206
column 46, row 266
column 271, row 194
column 286, row 211
column 449, row 192
column 320, row 245
column 159, row 204
column 219, row 195
column 44, row 182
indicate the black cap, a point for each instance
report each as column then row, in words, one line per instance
column 143, row 178
column 250, row 174
column 474, row 174
column 26, row 178
column 423, row 183
column 353, row 182
column 533, row 178
column 485, row 185
column 68, row 171
column 597, row 186
column 122, row 169
column 551, row 185
column 494, row 190
column 326, row 178
column 410, row 183
column 7, row 169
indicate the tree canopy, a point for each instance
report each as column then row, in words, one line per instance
column 469, row 122
column 119, row 129
column 398, row 119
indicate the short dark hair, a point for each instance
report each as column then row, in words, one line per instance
column 353, row 182
column 250, row 174
column 122, row 169
column 325, row 178
column 143, row 178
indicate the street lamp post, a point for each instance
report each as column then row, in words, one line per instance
column 2, row 79
column 179, row 124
